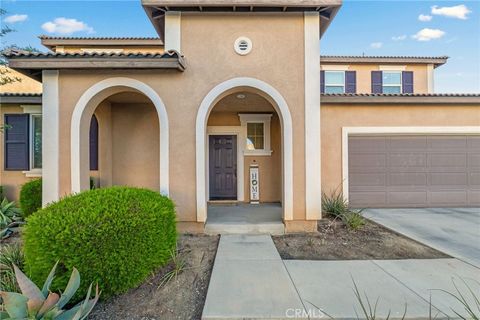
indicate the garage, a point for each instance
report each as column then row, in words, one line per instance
column 402, row 171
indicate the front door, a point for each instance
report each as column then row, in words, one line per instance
column 223, row 167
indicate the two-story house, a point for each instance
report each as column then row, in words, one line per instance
column 234, row 103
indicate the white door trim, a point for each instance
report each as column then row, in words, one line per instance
column 84, row 110
column 283, row 111
column 369, row 131
column 238, row 132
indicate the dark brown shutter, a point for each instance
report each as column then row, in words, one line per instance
column 322, row 81
column 94, row 143
column 16, row 143
column 407, row 82
column 377, row 82
column 350, row 82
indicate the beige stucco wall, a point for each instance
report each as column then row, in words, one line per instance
column 10, row 180
column 364, row 78
column 25, row 85
column 207, row 43
column 334, row 117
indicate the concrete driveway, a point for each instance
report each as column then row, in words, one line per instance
column 454, row 231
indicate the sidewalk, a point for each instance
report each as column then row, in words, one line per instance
column 250, row 281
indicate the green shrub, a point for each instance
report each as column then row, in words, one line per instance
column 115, row 237
column 31, row 197
column 10, row 255
column 334, row 204
column 353, row 219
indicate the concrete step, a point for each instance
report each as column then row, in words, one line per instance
column 274, row 228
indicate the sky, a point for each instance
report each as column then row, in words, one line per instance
column 408, row 28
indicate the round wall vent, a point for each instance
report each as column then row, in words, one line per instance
column 243, row 46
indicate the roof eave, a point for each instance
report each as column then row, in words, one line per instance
column 401, row 99
column 436, row 61
column 20, row 99
column 33, row 67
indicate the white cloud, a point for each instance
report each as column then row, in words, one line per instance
column 428, row 34
column 66, row 26
column 400, row 38
column 460, row 12
column 376, row 45
column 425, row 17
column 16, row 18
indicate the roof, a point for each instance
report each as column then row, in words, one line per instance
column 32, row 63
column 21, row 98
column 436, row 60
column 415, row 98
column 51, row 42
column 156, row 9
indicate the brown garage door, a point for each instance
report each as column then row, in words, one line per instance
column 414, row 171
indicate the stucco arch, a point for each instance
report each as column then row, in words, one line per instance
column 84, row 110
column 278, row 102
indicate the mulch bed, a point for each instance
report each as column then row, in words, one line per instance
column 334, row 241
column 180, row 298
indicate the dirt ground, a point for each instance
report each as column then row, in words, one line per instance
column 334, row 241
column 181, row 298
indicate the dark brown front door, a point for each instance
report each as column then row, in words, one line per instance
column 223, row 167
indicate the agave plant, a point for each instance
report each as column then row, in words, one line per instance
column 8, row 213
column 37, row 304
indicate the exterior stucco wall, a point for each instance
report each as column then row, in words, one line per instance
column 207, row 43
column 25, row 85
column 10, row 180
column 334, row 117
column 364, row 78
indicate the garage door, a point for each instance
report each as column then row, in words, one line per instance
column 414, row 171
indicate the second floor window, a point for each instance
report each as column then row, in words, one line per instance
column 334, row 82
column 392, row 82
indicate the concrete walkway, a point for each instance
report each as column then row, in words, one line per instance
column 455, row 231
column 250, row 281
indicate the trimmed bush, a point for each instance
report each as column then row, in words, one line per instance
column 115, row 237
column 31, row 197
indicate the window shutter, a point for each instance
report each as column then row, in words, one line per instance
column 407, row 81
column 377, row 82
column 350, row 82
column 94, row 143
column 322, row 81
column 16, row 143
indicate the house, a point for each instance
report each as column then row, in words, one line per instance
column 233, row 103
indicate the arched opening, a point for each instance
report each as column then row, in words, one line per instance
column 132, row 136
column 244, row 123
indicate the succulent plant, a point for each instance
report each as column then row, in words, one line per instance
column 37, row 304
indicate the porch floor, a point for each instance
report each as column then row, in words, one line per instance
column 244, row 218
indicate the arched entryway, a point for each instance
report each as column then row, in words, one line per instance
column 117, row 94
column 277, row 110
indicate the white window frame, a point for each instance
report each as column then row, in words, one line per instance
column 393, row 85
column 33, row 111
column 336, row 84
column 265, row 118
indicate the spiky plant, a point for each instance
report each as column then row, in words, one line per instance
column 10, row 255
column 36, row 304
column 8, row 213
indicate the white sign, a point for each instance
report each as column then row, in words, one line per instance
column 254, row 185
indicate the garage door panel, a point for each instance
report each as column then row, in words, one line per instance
column 412, row 197
column 414, row 171
column 360, row 199
column 447, row 198
column 407, row 159
column 407, row 179
column 368, row 179
column 447, row 160
column 364, row 144
column 447, row 179
column 365, row 160
column 447, row 142
column 412, row 143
